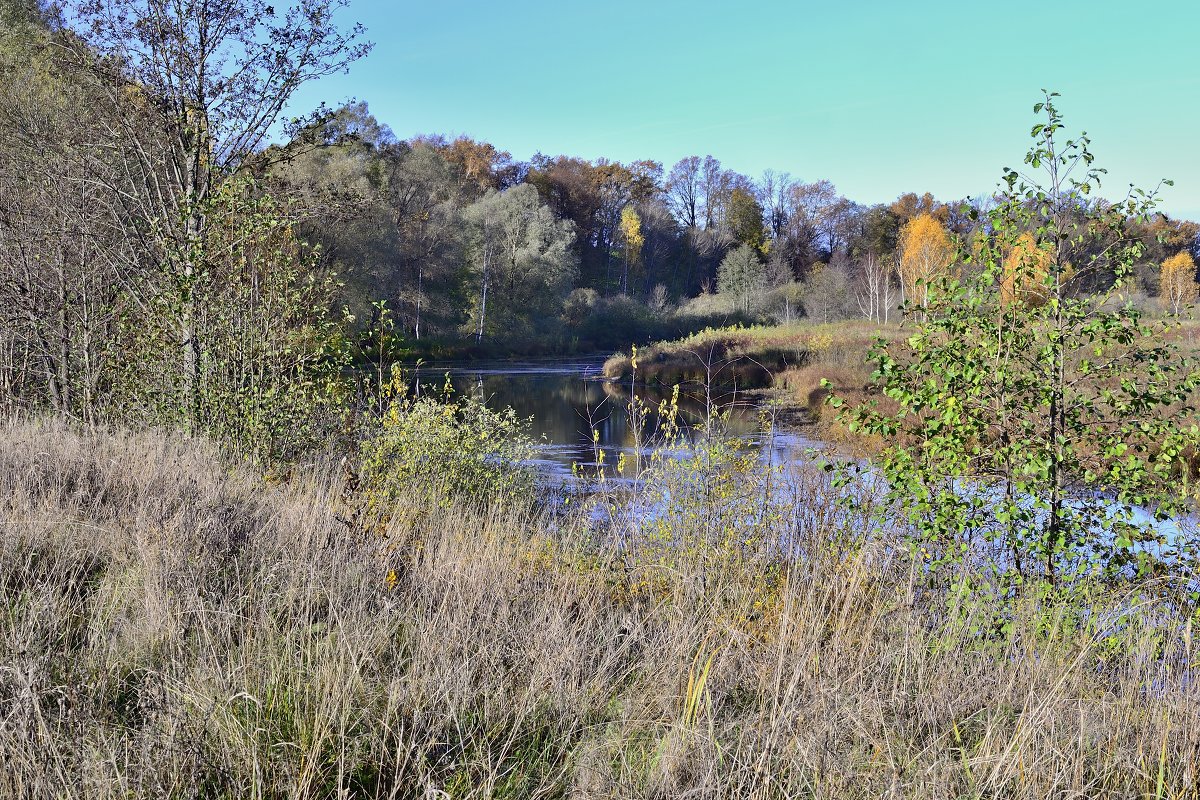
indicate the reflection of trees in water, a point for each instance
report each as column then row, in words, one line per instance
column 565, row 408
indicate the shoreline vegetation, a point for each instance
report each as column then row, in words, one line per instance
column 175, row 625
column 785, row 363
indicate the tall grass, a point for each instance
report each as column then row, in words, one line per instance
column 172, row 626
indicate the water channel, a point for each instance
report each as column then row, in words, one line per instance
column 574, row 411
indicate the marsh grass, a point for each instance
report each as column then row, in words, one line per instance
column 173, row 626
column 748, row 357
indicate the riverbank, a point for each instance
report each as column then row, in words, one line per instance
column 784, row 365
column 175, row 625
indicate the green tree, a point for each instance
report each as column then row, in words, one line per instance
column 743, row 275
column 1029, row 435
column 272, row 352
column 522, row 261
column 196, row 88
column 745, row 219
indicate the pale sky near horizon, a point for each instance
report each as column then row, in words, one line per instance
column 878, row 97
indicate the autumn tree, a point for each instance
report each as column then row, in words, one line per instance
column 1177, row 283
column 592, row 195
column 1025, row 270
column 481, row 166
column 745, row 220
column 663, row 249
column 910, row 205
column 926, row 253
column 632, row 241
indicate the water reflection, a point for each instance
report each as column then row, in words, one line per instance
column 575, row 413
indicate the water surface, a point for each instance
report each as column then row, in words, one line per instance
column 575, row 413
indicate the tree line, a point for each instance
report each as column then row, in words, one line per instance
column 173, row 248
column 422, row 221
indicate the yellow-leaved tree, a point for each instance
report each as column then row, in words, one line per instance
column 633, row 238
column 926, row 253
column 1177, row 282
column 1025, row 271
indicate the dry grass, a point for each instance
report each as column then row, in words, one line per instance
column 173, row 627
column 751, row 358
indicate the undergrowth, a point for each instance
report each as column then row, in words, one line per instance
column 174, row 626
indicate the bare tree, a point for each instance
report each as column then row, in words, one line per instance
column 62, row 234
column 774, row 192
column 714, row 189
column 875, row 291
column 683, row 190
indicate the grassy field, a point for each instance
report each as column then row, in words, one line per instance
column 174, row 626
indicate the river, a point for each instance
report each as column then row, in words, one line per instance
column 574, row 412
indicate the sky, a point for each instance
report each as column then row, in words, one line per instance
column 879, row 96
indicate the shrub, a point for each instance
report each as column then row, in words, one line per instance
column 446, row 448
column 1035, row 425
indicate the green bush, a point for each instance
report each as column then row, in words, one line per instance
column 448, row 449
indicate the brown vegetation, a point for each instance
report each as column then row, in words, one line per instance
column 172, row 628
column 751, row 358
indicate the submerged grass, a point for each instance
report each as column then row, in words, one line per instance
column 172, row 626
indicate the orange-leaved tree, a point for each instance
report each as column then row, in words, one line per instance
column 1177, row 282
column 926, row 253
column 1025, row 271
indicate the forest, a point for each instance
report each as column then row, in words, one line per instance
column 245, row 553
column 464, row 248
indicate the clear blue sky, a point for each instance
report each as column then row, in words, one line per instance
column 879, row 97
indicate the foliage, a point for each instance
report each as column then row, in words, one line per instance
column 746, row 220
column 743, row 275
column 633, row 240
column 269, row 349
column 1045, row 438
column 522, row 264
column 1026, row 271
column 1177, row 282
column 926, row 253
column 446, row 449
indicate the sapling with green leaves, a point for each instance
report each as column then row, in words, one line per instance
column 1038, row 420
